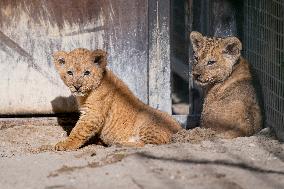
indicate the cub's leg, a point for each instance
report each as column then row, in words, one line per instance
column 86, row 127
column 232, row 122
column 152, row 135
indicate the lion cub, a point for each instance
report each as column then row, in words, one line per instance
column 230, row 106
column 108, row 108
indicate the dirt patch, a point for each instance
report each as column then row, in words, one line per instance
column 195, row 135
column 245, row 162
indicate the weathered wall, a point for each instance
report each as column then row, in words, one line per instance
column 31, row 30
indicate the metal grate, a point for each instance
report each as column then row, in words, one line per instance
column 263, row 37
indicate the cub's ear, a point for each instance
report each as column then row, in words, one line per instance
column 59, row 58
column 196, row 40
column 99, row 57
column 232, row 46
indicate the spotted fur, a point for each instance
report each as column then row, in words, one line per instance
column 230, row 106
column 108, row 108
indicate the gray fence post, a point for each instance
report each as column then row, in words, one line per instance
column 159, row 55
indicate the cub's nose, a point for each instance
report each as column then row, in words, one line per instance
column 77, row 87
column 196, row 75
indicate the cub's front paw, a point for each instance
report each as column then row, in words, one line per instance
column 66, row 145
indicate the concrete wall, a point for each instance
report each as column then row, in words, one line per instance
column 31, row 30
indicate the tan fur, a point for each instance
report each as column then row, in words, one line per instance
column 230, row 106
column 108, row 108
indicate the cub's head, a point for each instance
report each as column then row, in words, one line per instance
column 81, row 69
column 214, row 58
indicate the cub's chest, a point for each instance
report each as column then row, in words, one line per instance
column 217, row 101
column 213, row 96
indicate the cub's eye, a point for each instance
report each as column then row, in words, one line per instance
column 211, row 62
column 69, row 72
column 97, row 59
column 61, row 60
column 87, row 73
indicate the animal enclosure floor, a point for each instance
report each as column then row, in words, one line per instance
column 248, row 162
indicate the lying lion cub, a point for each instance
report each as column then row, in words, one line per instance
column 230, row 106
column 108, row 108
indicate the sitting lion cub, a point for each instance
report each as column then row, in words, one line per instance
column 108, row 108
column 230, row 106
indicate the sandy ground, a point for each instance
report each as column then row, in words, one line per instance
column 249, row 162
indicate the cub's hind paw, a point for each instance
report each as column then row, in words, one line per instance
column 66, row 145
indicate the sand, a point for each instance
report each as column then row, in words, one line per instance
column 247, row 162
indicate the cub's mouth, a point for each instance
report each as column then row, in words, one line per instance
column 201, row 82
column 78, row 93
